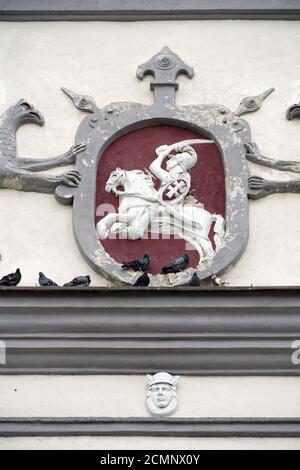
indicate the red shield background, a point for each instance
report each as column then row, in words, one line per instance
column 135, row 151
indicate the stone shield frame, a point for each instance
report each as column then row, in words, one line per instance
column 104, row 126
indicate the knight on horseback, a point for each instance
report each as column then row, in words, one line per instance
column 144, row 209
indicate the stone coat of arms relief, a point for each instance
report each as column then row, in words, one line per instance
column 163, row 178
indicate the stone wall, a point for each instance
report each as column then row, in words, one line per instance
column 232, row 59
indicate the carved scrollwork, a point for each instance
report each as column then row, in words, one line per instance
column 260, row 187
column 252, row 103
column 164, row 62
column 82, row 102
column 20, row 173
column 253, row 155
column 293, row 111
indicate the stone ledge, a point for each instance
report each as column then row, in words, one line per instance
column 143, row 10
column 176, row 427
column 192, row 331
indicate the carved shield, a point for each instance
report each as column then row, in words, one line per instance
column 174, row 191
column 126, row 135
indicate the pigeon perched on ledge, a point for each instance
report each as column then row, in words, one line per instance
column 194, row 281
column 12, row 279
column 45, row 281
column 139, row 264
column 79, row 281
column 177, row 265
column 142, row 281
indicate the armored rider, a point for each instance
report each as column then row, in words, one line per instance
column 175, row 179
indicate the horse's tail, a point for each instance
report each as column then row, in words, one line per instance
column 219, row 230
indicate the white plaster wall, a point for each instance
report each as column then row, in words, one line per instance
column 123, row 396
column 144, row 443
column 232, row 59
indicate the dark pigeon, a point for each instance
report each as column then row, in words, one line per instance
column 45, row 281
column 12, row 279
column 194, row 281
column 142, row 281
column 139, row 264
column 177, row 265
column 79, row 281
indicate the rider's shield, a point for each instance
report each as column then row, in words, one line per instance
column 130, row 202
column 175, row 191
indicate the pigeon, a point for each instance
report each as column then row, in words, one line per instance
column 142, row 281
column 139, row 264
column 12, row 279
column 194, row 281
column 45, row 281
column 79, row 281
column 177, row 265
column 219, row 282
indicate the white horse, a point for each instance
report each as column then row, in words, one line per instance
column 140, row 211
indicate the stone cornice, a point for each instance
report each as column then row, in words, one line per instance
column 143, row 10
column 232, row 331
column 174, row 427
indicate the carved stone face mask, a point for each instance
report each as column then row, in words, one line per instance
column 162, row 396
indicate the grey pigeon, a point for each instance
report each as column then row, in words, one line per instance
column 142, row 281
column 139, row 264
column 194, row 281
column 79, row 281
column 177, row 265
column 12, row 279
column 45, row 281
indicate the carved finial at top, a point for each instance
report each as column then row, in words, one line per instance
column 165, row 66
column 82, row 102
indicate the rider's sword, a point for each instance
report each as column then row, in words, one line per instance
column 190, row 142
column 194, row 141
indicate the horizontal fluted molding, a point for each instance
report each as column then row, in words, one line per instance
column 186, row 331
column 135, row 10
column 176, row 427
